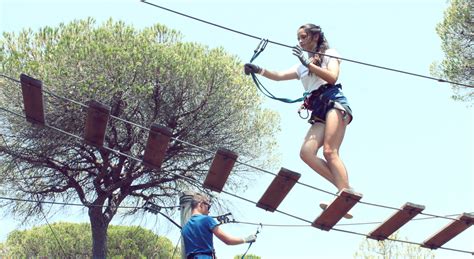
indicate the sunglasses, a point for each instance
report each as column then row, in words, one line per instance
column 208, row 205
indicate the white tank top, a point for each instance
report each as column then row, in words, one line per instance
column 313, row 82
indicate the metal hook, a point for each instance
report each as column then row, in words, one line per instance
column 259, row 44
column 265, row 42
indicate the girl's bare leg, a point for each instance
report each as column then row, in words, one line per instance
column 333, row 136
column 313, row 141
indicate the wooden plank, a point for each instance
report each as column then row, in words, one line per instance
column 278, row 189
column 396, row 221
column 96, row 123
column 221, row 166
column 337, row 209
column 32, row 91
column 156, row 146
column 451, row 230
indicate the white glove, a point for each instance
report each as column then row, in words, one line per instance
column 250, row 239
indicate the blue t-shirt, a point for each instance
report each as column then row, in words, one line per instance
column 197, row 234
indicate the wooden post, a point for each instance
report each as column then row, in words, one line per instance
column 96, row 123
column 185, row 210
column 32, row 91
column 157, row 144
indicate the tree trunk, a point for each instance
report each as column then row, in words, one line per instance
column 99, row 225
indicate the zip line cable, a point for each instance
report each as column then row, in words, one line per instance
column 79, row 204
column 52, row 231
column 209, row 151
column 155, row 209
column 323, row 54
column 40, row 205
column 239, row 222
column 90, row 205
column 239, row 197
column 276, row 43
column 234, row 195
column 341, row 224
column 260, row 48
column 176, row 247
column 192, row 145
column 176, row 139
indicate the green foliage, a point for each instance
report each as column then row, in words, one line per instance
column 457, row 35
column 75, row 239
column 247, row 256
column 145, row 76
column 373, row 249
column 75, row 242
column 135, row 242
column 3, row 250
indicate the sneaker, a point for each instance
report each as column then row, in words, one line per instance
column 350, row 189
column 324, row 205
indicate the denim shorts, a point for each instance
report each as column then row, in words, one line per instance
column 325, row 98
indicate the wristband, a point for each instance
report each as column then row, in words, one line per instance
column 261, row 71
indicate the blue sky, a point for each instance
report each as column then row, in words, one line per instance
column 409, row 142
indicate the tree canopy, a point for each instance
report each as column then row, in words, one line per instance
column 457, row 41
column 146, row 76
column 248, row 256
column 73, row 240
column 387, row 249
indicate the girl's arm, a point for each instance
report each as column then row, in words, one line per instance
column 330, row 74
column 279, row 75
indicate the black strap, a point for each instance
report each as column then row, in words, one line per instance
column 192, row 255
column 261, row 46
column 251, row 243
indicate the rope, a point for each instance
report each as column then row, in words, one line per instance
column 234, row 195
column 323, row 54
column 251, row 243
column 260, row 48
column 211, row 152
column 39, row 203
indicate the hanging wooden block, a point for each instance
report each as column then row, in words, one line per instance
column 396, row 221
column 157, row 144
column 336, row 209
column 221, row 166
column 32, row 91
column 278, row 189
column 96, row 123
column 451, row 230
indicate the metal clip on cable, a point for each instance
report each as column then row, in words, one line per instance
column 223, row 219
